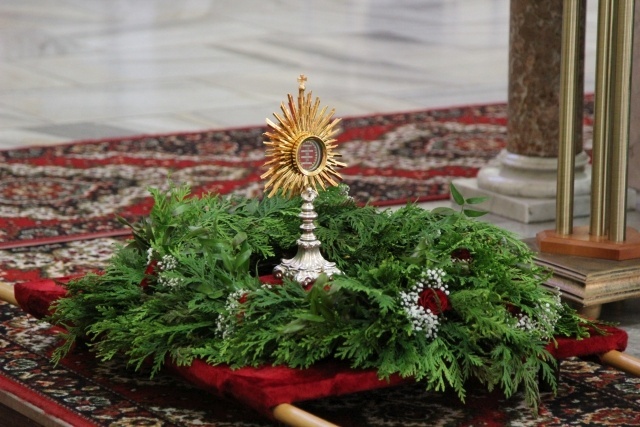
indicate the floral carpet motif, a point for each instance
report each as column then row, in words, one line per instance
column 67, row 192
column 588, row 395
column 55, row 260
column 103, row 394
column 109, row 394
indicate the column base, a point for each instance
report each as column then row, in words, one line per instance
column 534, row 177
column 527, row 209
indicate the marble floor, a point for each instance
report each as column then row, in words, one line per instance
column 85, row 69
column 74, row 69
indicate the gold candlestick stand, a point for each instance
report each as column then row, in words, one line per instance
column 610, row 271
column 607, row 237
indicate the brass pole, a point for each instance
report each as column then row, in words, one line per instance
column 568, row 97
column 296, row 417
column 622, row 361
column 601, row 124
column 623, row 18
column 7, row 293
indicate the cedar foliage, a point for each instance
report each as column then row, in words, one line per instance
column 201, row 259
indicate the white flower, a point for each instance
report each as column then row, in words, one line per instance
column 169, row 282
column 225, row 324
column 544, row 321
column 168, row 262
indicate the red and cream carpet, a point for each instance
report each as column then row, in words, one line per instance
column 74, row 191
column 84, row 392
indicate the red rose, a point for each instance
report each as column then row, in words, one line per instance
column 512, row 309
column 433, row 299
column 150, row 271
column 461, row 254
column 243, row 298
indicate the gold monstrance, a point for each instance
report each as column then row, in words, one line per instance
column 301, row 159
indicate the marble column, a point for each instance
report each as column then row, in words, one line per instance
column 634, row 131
column 521, row 184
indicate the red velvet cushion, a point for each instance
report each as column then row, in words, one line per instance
column 36, row 297
column 616, row 339
column 268, row 386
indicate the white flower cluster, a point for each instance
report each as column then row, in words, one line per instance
column 169, row 282
column 433, row 278
column 547, row 315
column 424, row 320
column 525, row 323
column 168, row 262
column 149, row 255
column 225, row 325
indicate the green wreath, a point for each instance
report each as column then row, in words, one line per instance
column 435, row 295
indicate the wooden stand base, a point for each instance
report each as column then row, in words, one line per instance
column 587, row 283
column 581, row 243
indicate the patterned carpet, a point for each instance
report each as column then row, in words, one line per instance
column 55, row 260
column 90, row 393
column 74, row 191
